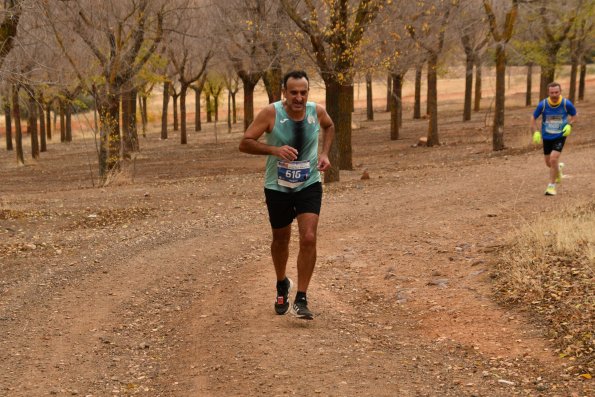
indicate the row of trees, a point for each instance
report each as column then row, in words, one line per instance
column 117, row 52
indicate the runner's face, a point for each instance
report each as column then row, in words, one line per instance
column 296, row 94
column 554, row 93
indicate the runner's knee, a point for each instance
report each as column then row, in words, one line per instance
column 308, row 239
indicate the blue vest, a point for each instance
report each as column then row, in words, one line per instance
column 553, row 118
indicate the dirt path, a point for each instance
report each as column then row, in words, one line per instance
column 161, row 284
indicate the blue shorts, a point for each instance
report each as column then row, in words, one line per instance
column 550, row 145
column 284, row 207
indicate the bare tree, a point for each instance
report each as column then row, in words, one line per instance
column 188, row 56
column 10, row 13
column 232, row 85
column 243, row 24
column 213, row 86
column 417, row 90
column 7, row 117
column 334, row 32
column 580, row 40
column 501, row 36
column 198, row 87
column 16, row 114
column 557, row 20
column 582, row 77
column 26, row 67
column 428, row 29
column 174, row 92
column 397, row 52
column 166, row 86
column 474, row 33
column 120, row 37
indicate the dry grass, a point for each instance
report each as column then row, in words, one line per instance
column 547, row 269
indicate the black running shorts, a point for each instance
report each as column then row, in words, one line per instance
column 553, row 144
column 284, row 207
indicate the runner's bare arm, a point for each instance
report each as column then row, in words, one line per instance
column 533, row 124
column 264, row 122
column 328, row 128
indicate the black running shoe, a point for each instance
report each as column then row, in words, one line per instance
column 300, row 310
column 282, row 301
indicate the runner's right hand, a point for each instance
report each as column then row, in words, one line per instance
column 536, row 137
column 286, row 152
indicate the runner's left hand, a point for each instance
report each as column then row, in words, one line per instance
column 323, row 163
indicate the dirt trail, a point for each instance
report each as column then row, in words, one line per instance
column 161, row 284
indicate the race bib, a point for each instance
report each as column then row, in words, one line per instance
column 292, row 174
column 553, row 125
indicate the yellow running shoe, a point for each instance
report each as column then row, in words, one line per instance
column 551, row 190
column 560, row 174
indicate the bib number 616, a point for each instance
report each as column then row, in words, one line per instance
column 293, row 174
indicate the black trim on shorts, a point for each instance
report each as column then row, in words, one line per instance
column 284, row 207
column 549, row 145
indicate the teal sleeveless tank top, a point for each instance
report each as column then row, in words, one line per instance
column 302, row 135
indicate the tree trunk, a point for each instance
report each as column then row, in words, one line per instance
column 234, row 107
column 129, row 132
column 369, row 98
column 8, row 124
column 62, row 120
column 209, row 107
column 164, row 110
column 468, row 86
column 395, row 106
column 216, row 105
column 95, row 121
column 16, row 109
column 417, row 100
column 176, row 119
column 32, row 127
column 544, row 80
column 498, row 127
column 145, row 114
column 197, row 116
column 125, row 118
column 581, row 80
column 389, row 93
column 68, row 129
column 48, row 121
column 109, row 134
column 249, row 81
column 183, row 131
column 142, row 104
column 529, row 84
column 548, row 72
column 346, row 103
column 133, row 120
column 272, row 79
column 332, row 108
column 477, row 102
column 42, row 133
column 248, row 104
column 228, row 111
column 341, row 97
column 573, row 75
column 432, row 100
